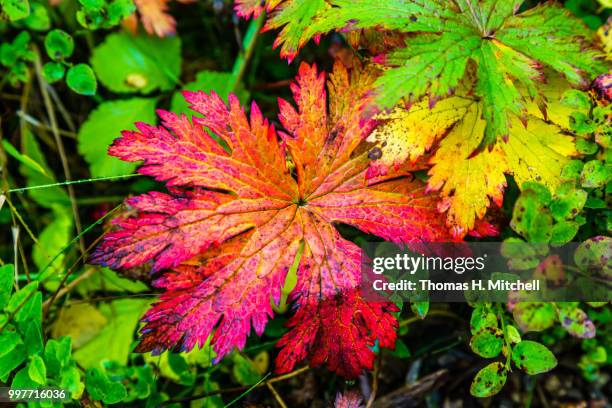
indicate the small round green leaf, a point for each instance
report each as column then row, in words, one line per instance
column 482, row 318
column 37, row 370
column 572, row 170
column 81, row 79
column 595, row 255
column 563, row 232
column 53, row 71
column 595, row 174
column 489, row 381
column 534, row 316
column 59, row 44
column 38, row 19
column 533, row 357
column 126, row 63
column 488, row 342
column 568, row 202
column 576, row 99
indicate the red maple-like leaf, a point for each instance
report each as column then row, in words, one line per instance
column 338, row 332
column 235, row 218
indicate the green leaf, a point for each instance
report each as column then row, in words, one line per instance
column 576, row 99
column 8, row 341
column 513, row 334
column 594, row 255
column 542, row 194
column 489, row 380
column 125, row 63
column 572, row 170
column 115, row 340
column 81, row 79
column 530, row 218
column 10, row 361
column 70, row 379
column 15, row 9
column 401, row 350
column 586, row 147
column 502, row 101
column 420, row 308
column 22, row 380
column 103, row 13
column 101, row 388
column 20, row 298
column 7, row 277
column 244, row 370
column 482, row 318
column 59, row 44
column 563, row 232
column 575, row 321
column 488, row 342
column 509, row 49
column 38, row 19
column 51, row 241
column 32, row 336
column 22, row 158
column 423, row 59
column 109, row 280
column 533, row 357
column 37, row 370
column 534, row 316
column 47, row 197
column 568, row 202
column 57, row 354
column 220, row 82
column 53, row 71
column 178, row 364
column 104, row 125
column 595, row 174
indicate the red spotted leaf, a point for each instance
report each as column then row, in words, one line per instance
column 234, row 218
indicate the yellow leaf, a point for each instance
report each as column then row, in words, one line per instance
column 606, row 37
column 81, row 321
column 406, row 134
column 468, row 183
column 538, row 152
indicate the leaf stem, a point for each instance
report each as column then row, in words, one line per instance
column 248, row 46
column 60, row 145
column 502, row 319
column 277, row 396
column 248, row 388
